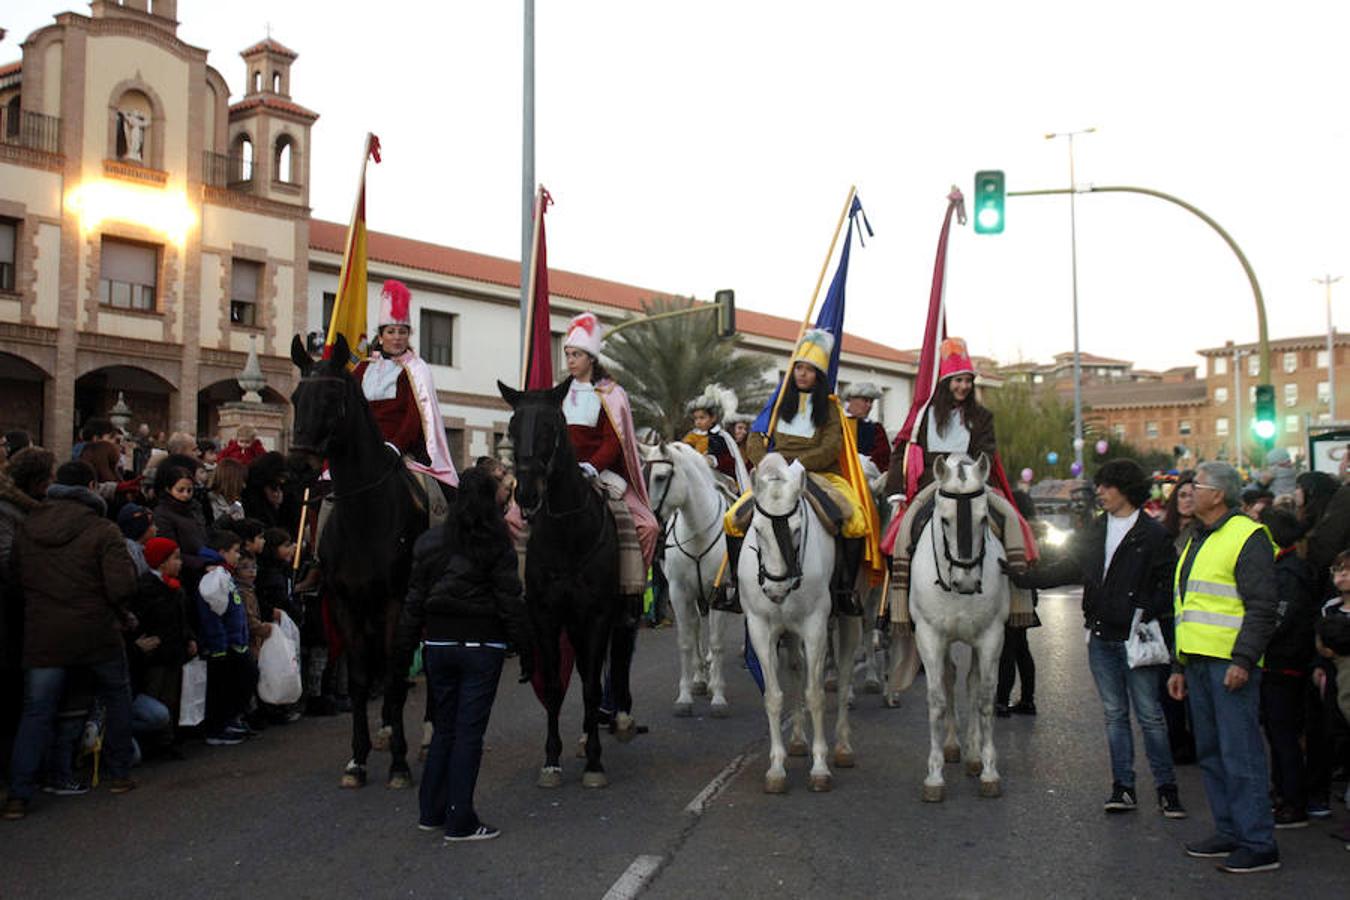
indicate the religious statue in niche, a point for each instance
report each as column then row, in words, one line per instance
column 131, row 127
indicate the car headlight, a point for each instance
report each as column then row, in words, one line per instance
column 1054, row 536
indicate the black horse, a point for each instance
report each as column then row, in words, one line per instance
column 365, row 548
column 571, row 568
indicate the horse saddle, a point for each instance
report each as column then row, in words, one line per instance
column 831, row 510
column 436, row 506
column 924, row 513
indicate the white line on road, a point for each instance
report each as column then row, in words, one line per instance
column 718, row 784
column 633, row 879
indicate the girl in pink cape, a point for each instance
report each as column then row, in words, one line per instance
column 600, row 424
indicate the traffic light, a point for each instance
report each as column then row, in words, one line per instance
column 1264, row 426
column 989, row 196
column 726, row 313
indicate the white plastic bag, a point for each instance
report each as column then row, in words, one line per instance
column 192, row 702
column 1145, row 645
column 279, row 664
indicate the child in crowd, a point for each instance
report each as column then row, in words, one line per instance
column 161, row 643
column 231, row 673
column 250, row 533
column 138, row 526
column 274, row 577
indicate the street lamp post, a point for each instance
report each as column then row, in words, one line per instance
column 1328, row 281
column 1237, row 407
column 1073, row 252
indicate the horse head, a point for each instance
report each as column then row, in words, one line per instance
column 961, row 512
column 322, row 401
column 539, row 435
column 778, row 514
column 674, row 472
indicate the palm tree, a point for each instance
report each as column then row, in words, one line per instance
column 665, row 364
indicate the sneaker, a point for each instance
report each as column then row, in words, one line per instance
column 1214, row 847
column 484, row 832
column 1319, row 809
column 1169, row 802
column 1001, row 710
column 426, row 826
column 1242, row 861
column 68, row 788
column 224, row 739
column 1122, row 799
column 15, row 809
column 1288, row 817
column 1024, row 708
column 121, row 785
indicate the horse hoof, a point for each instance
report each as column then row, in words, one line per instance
column 550, row 777
column 821, row 783
column 400, row 781
column 775, row 784
column 625, row 728
column 934, row 793
column 699, row 689
column 354, row 777
column 951, row 754
column 872, row 686
column 892, row 700
column 594, row 780
column 991, row 789
column 797, row 747
column 720, row 710
column 844, row 758
column 380, row 740
column 974, row 767
column 683, row 710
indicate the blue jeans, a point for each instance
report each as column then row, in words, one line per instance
column 1231, row 753
column 1120, row 688
column 42, row 695
column 462, row 682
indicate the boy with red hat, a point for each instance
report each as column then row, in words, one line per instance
column 162, row 641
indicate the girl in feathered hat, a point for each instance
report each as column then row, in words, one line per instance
column 402, row 392
column 709, row 438
column 600, row 424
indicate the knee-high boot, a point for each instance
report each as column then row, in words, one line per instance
column 726, row 598
column 848, row 557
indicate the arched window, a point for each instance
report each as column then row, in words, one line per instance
column 241, row 162
column 276, row 82
column 283, row 160
column 257, row 81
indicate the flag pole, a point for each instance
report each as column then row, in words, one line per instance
column 806, row 320
column 330, row 336
column 531, row 281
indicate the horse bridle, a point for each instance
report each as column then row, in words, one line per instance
column 526, row 452
column 322, row 450
column 665, row 495
column 964, row 535
column 782, row 533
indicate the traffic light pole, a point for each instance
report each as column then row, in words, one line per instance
column 1263, row 336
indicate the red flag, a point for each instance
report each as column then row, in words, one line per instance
column 538, row 375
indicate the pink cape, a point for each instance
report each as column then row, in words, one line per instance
column 615, row 401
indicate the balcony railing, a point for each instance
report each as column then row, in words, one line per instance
column 30, row 129
column 222, row 171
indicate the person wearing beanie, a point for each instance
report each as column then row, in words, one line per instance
column 401, row 390
column 1125, row 561
column 162, row 641
column 138, row 526
column 808, row 429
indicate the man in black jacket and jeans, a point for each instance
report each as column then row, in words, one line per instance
column 1125, row 562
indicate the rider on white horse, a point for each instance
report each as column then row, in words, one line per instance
column 809, row 430
column 709, row 438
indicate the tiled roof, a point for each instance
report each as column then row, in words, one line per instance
column 1145, row 393
column 428, row 257
column 269, row 44
column 1311, row 342
column 285, row 106
column 11, row 68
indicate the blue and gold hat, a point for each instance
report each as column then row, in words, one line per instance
column 815, row 348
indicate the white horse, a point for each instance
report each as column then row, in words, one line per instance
column 959, row 593
column 686, row 500
column 784, row 581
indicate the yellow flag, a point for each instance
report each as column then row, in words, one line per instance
column 349, row 308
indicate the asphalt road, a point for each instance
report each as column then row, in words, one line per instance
column 680, row 818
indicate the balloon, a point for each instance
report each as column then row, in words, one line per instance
column 1027, row 475
column 1052, row 457
column 1076, row 469
column 1102, row 447
column 1078, row 443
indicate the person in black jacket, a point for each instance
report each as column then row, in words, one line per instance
column 465, row 599
column 1125, row 561
column 1286, row 668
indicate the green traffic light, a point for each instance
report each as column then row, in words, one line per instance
column 989, row 219
column 1264, row 428
column 989, row 197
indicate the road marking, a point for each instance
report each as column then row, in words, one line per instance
column 718, row 784
column 634, row 878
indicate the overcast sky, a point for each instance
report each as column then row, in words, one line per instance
column 703, row 144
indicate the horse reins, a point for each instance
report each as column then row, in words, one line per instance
column 965, row 536
column 782, row 533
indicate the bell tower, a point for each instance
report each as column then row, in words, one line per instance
column 269, row 133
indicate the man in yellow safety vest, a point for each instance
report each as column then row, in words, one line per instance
column 1226, row 604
